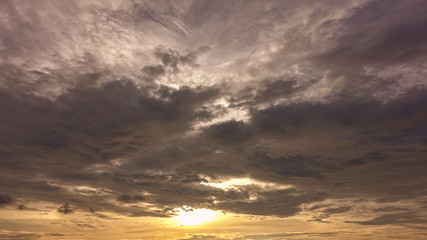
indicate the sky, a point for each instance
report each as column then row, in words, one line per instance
column 213, row 119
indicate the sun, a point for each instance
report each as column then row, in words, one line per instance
column 187, row 216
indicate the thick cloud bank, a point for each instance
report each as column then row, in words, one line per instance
column 137, row 108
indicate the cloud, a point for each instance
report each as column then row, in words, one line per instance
column 362, row 54
column 228, row 132
column 126, row 198
column 280, row 203
column 269, row 92
column 289, row 165
column 126, row 129
column 94, row 109
column 19, row 236
column 172, row 59
column 154, row 71
column 138, row 108
column 209, row 237
column 27, row 235
column 337, row 210
column 386, row 42
column 395, row 219
column 390, row 209
column 116, row 119
column 65, row 209
column 281, row 235
column 6, row 199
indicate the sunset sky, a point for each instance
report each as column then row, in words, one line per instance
column 213, row 120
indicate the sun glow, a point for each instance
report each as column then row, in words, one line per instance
column 187, row 216
column 238, row 183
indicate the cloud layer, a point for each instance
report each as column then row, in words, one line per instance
column 313, row 109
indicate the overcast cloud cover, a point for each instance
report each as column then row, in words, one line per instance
column 134, row 108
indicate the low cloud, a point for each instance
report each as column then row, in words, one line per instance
column 66, row 209
column 126, row 198
column 6, row 199
column 394, row 219
column 137, row 109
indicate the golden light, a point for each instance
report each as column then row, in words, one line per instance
column 236, row 183
column 187, row 216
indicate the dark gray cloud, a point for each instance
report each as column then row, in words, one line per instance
column 179, row 184
column 336, row 210
column 348, row 113
column 270, row 91
column 111, row 108
column 396, row 219
column 55, row 128
column 389, row 39
column 154, row 71
column 390, row 209
column 65, row 209
column 93, row 109
column 280, row 203
column 126, row 198
column 228, row 132
column 6, row 199
column 172, row 59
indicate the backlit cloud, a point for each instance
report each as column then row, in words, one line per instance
column 297, row 115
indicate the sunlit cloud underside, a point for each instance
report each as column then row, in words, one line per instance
column 213, row 119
